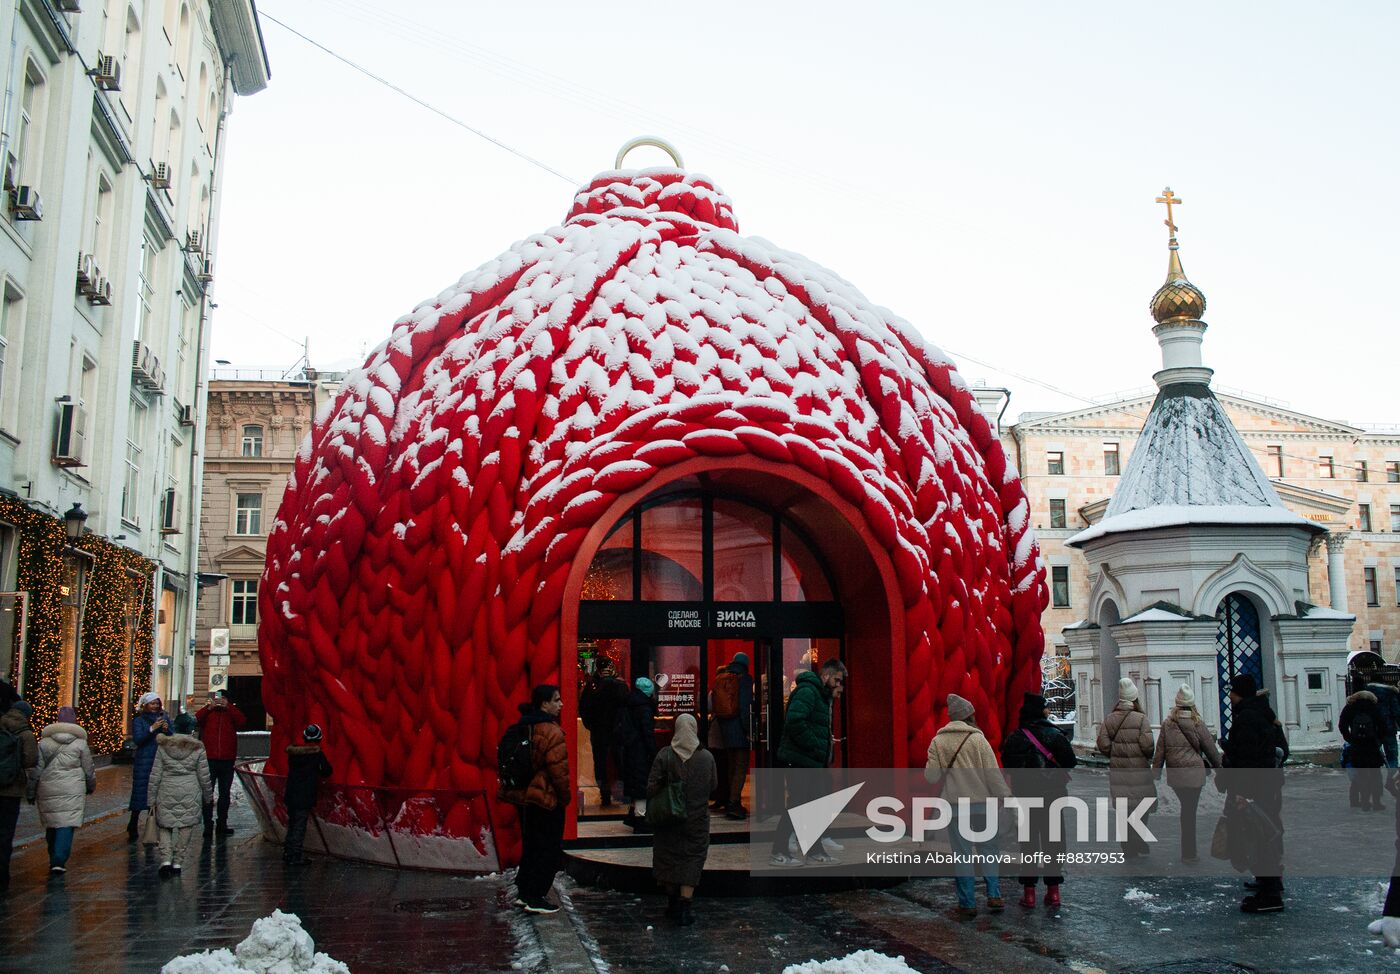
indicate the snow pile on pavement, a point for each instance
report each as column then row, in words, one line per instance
column 861, row 962
column 277, row 945
column 1135, row 895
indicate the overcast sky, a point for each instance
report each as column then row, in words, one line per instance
column 986, row 170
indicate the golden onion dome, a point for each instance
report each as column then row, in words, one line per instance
column 1178, row 298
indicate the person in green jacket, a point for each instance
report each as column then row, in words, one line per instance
column 806, row 744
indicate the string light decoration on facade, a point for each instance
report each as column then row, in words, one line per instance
column 104, row 699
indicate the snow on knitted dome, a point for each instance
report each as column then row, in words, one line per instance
column 416, row 568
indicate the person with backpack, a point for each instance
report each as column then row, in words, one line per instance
column 598, row 706
column 66, row 777
column 306, row 766
column 1187, row 750
column 1361, row 723
column 151, row 723
column 961, row 759
column 731, row 703
column 19, row 758
column 636, row 736
column 179, row 789
column 219, row 724
column 682, row 844
column 1388, row 699
column 1037, row 745
column 806, row 744
column 1256, row 746
column 1125, row 737
column 533, row 766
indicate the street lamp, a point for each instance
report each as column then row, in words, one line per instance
column 73, row 521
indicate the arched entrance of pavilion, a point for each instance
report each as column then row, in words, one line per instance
column 749, row 557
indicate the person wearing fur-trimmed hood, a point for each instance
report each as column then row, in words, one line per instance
column 1363, row 726
column 66, row 778
column 306, row 766
column 179, row 789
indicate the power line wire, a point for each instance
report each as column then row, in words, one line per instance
column 419, row 101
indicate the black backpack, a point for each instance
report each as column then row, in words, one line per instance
column 1364, row 732
column 11, row 759
column 515, row 764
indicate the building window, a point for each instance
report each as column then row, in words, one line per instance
column 1376, row 646
column 1055, row 462
column 1314, row 681
column 1392, row 472
column 11, row 339
column 1059, row 586
column 29, row 138
column 243, row 611
column 1057, row 512
column 1363, row 513
column 1397, row 584
column 1372, row 595
column 1110, row 459
column 131, row 485
column 1325, row 468
column 102, row 221
column 1276, row 460
column 1395, row 517
column 1362, row 474
column 144, row 290
column 248, row 514
column 252, row 441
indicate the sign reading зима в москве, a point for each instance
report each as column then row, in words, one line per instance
column 641, row 619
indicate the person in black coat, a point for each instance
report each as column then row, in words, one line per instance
column 1035, row 744
column 1256, row 746
column 1362, row 725
column 306, row 766
column 636, row 736
column 1388, row 699
column 598, row 706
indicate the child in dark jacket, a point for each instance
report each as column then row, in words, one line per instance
column 306, row 766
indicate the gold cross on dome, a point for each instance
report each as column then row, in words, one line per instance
column 1171, row 200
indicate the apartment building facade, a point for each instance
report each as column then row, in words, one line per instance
column 115, row 121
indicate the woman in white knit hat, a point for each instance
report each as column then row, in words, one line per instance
column 1187, row 749
column 1126, row 737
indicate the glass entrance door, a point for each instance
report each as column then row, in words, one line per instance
column 677, row 672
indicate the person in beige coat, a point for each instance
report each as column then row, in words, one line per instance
column 1186, row 748
column 1125, row 736
column 960, row 758
column 179, row 789
column 66, row 778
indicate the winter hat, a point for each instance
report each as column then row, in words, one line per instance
column 24, row 707
column 1244, row 685
column 312, row 734
column 742, row 659
column 1184, row 697
column 959, row 708
column 645, row 685
column 1032, row 708
column 67, row 715
column 1127, row 690
column 185, row 724
column 148, row 698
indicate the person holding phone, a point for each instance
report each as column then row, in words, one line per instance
column 219, row 723
column 151, row 722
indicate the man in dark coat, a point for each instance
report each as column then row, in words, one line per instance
column 1388, row 700
column 734, row 734
column 1038, row 744
column 219, row 723
column 598, row 705
column 23, row 760
column 1361, row 724
column 1256, row 747
column 306, row 766
column 806, row 744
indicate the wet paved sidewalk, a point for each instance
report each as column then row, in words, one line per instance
column 111, row 913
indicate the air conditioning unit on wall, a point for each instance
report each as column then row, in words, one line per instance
column 107, row 73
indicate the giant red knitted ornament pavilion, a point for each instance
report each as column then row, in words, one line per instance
column 416, row 573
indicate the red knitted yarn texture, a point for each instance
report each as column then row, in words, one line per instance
column 416, row 569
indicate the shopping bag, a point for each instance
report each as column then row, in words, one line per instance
column 667, row 807
column 1220, row 841
column 150, row 831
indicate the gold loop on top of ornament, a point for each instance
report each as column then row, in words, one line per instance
column 651, row 140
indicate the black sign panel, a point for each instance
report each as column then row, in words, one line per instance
column 709, row 620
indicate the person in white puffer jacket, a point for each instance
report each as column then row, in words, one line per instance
column 179, row 789
column 66, row 777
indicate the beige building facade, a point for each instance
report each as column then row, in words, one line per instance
column 255, row 427
column 1342, row 477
